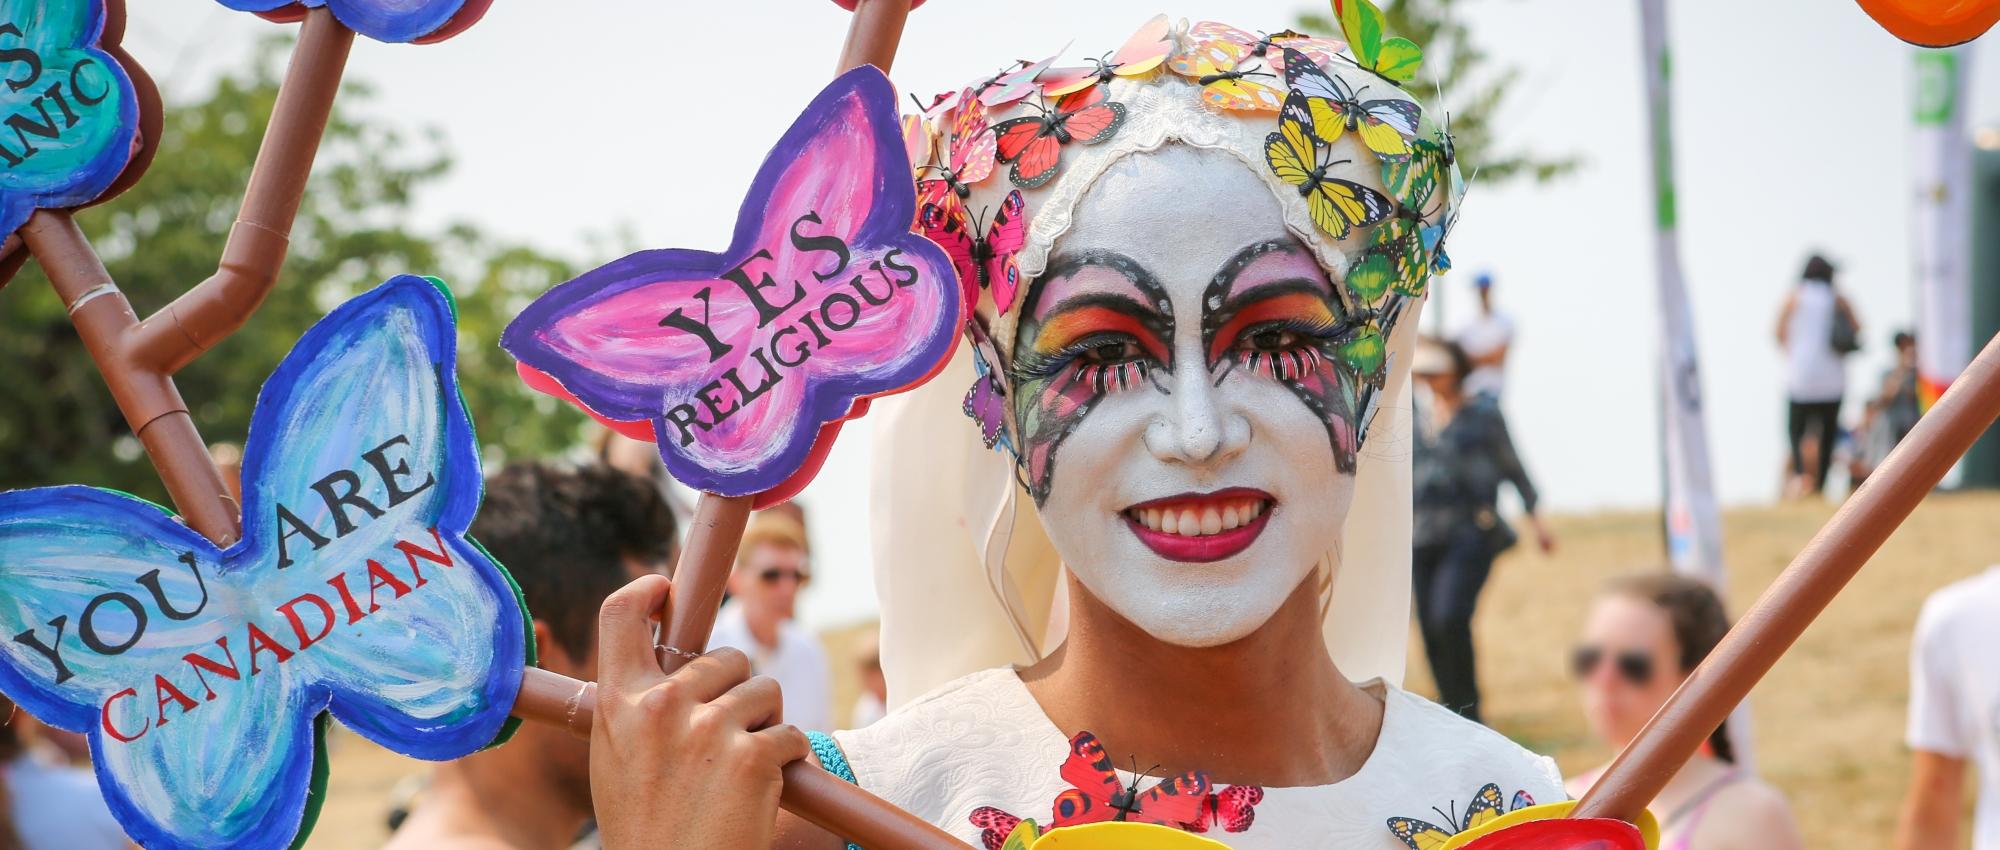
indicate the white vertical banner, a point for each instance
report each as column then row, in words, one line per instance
column 1941, row 218
column 1693, row 523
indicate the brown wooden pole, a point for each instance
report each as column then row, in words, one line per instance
column 151, row 404
column 215, row 308
column 701, row 575
column 138, row 358
column 873, row 34
column 1798, row 595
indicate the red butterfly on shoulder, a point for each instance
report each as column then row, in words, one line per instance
column 1096, row 794
column 1034, row 144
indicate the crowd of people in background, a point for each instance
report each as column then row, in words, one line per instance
column 571, row 535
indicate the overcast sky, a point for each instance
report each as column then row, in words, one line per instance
column 649, row 118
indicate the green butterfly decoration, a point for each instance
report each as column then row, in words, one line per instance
column 1364, row 352
column 1395, row 59
column 1023, row 835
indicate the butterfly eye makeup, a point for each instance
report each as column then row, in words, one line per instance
column 1271, row 314
column 1097, row 323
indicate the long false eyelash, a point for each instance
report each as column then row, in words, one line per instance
column 1035, row 365
column 1282, row 366
column 1114, row 377
column 1296, row 363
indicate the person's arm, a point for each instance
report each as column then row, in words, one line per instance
column 1931, row 806
column 688, row 760
column 1937, row 733
column 1495, row 357
column 1785, row 317
column 1509, row 463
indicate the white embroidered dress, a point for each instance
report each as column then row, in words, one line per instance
column 983, row 741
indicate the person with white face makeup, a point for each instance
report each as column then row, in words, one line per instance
column 1190, row 357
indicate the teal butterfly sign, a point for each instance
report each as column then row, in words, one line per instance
column 204, row 677
column 73, row 107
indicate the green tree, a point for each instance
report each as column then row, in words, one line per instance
column 354, row 230
column 1474, row 86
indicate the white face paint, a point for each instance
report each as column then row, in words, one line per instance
column 1185, row 431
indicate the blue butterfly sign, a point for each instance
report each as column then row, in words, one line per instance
column 78, row 119
column 203, row 677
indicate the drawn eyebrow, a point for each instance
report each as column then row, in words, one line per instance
column 1221, row 304
column 1225, row 277
column 1142, row 278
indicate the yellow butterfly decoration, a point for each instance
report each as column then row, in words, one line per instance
column 1295, row 155
column 1217, row 66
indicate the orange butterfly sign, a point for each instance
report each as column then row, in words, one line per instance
column 1217, row 66
column 1934, row 23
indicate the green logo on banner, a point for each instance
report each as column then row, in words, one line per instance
column 1937, row 86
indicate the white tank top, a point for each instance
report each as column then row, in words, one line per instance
column 1813, row 371
column 982, row 742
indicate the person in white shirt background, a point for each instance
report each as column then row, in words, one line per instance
column 46, row 804
column 773, row 564
column 1954, row 717
column 1815, row 373
column 1485, row 340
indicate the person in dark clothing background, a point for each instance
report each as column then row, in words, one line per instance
column 1463, row 453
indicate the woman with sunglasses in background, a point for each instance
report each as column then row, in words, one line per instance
column 1644, row 635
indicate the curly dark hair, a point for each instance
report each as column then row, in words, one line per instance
column 566, row 533
column 11, row 747
column 1699, row 622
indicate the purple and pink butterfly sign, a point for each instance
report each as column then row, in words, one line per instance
column 742, row 364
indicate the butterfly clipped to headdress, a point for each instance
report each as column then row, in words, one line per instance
column 1395, row 59
column 1011, row 84
column 1224, row 69
column 1487, row 805
column 986, row 401
column 1297, row 157
column 1386, row 125
column 204, row 677
column 741, row 364
column 1407, row 249
column 919, row 141
column 1033, row 144
column 985, row 260
column 1141, row 54
column 964, row 158
column 1268, row 48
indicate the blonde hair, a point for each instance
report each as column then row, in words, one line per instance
column 776, row 529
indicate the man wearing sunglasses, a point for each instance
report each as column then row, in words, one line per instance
column 772, row 565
